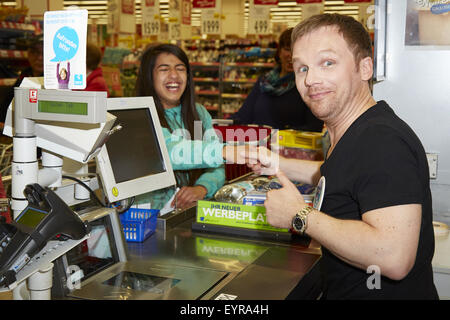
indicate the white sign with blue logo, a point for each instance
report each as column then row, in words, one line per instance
column 65, row 49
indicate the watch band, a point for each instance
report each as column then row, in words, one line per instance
column 299, row 223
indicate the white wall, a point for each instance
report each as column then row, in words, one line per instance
column 417, row 87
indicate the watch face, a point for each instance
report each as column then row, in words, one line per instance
column 297, row 223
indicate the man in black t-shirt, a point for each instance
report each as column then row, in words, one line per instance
column 375, row 222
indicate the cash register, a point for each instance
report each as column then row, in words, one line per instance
column 134, row 160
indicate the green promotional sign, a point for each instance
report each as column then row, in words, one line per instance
column 234, row 215
column 228, row 250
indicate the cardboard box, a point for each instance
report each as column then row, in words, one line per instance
column 299, row 139
column 300, row 153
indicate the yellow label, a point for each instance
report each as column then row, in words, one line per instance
column 115, row 192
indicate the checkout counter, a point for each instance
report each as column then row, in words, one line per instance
column 237, row 267
column 177, row 261
column 180, row 262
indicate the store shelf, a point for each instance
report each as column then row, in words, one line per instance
column 208, row 92
column 225, row 85
column 206, row 64
column 13, row 54
column 234, row 95
column 13, row 39
column 198, row 79
column 14, row 29
column 7, row 82
column 240, row 80
column 249, row 64
column 16, row 26
column 210, row 108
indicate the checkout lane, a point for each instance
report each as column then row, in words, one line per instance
column 178, row 263
column 253, row 268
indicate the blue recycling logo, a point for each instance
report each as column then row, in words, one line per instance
column 65, row 44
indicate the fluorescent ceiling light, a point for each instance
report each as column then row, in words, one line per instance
column 287, row 4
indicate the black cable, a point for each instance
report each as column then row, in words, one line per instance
column 127, row 207
column 92, row 193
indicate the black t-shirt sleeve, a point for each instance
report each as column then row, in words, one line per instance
column 388, row 170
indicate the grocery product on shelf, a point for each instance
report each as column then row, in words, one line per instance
column 122, row 66
column 11, row 14
column 225, row 71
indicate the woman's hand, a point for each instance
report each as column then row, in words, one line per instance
column 238, row 154
column 188, row 195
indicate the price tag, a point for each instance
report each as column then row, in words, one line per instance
column 261, row 26
column 259, row 19
column 150, row 18
column 211, row 22
column 211, row 26
column 17, row 54
column 150, row 28
column 174, row 30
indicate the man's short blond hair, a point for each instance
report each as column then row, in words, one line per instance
column 354, row 33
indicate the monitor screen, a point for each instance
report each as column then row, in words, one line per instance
column 96, row 253
column 134, row 150
column 134, row 160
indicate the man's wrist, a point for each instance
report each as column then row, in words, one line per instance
column 300, row 220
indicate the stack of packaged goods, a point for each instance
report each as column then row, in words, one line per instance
column 253, row 192
column 299, row 144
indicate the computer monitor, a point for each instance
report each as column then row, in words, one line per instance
column 134, row 160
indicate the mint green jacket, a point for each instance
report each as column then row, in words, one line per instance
column 187, row 153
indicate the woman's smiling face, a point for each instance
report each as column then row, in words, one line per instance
column 170, row 79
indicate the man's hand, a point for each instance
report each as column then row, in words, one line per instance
column 263, row 161
column 282, row 204
column 188, row 195
column 238, row 154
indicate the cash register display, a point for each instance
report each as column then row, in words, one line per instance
column 140, row 156
column 31, row 217
column 134, row 160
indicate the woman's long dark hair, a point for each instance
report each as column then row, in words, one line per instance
column 144, row 87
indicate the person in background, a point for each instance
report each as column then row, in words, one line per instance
column 165, row 75
column 35, row 47
column 375, row 223
column 94, row 80
column 274, row 100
